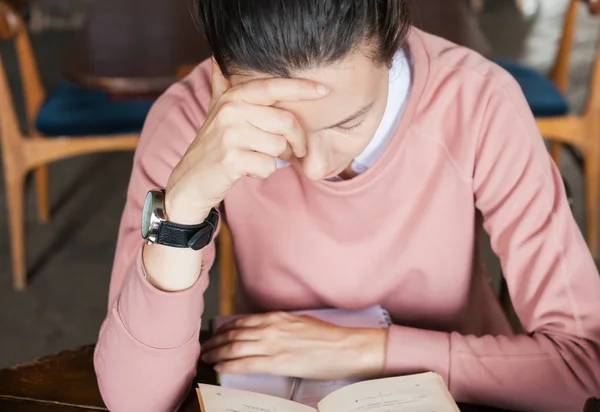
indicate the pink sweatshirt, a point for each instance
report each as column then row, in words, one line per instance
column 404, row 235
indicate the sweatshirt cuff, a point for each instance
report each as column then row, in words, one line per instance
column 159, row 319
column 410, row 350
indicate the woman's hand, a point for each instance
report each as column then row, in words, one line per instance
column 242, row 136
column 292, row 345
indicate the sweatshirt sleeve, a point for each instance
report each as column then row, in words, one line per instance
column 148, row 345
column 551, row 276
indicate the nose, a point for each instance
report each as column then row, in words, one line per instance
column 314, row 164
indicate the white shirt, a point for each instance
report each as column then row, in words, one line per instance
column 399, row 88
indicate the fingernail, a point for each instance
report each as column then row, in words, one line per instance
column 322, row 90
column 217, row 368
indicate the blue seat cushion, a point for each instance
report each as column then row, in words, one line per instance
column 70, row 110
column 542, row 95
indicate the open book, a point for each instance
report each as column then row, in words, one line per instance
column 308, row 392
column 425, row 392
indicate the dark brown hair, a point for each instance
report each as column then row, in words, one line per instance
column 279, row 37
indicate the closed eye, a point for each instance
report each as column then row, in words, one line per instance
column 346, row 128
column 362, row 111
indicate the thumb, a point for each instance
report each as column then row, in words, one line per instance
column 219, row 84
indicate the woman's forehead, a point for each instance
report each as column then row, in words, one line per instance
column 352, row 83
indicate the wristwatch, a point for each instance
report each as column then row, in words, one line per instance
column 157, row 229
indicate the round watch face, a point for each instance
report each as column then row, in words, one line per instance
column 147, row 215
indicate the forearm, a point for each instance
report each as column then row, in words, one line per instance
column 171, row 269
column 135, row 377
column 149, row 343
column 536, row 372
column 147, row 350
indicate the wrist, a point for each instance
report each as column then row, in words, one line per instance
column 171, row 269
column 368, row 349
column 183, row 212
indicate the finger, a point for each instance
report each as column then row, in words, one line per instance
column 251, row 138
column 250, row 321
column 253, row 164
column 287, row 156
column 232, row 335
column 267, row 92
column 248, row 365
column 219, row 83
column 268, row 119
column 280, row 122
column 235, row 350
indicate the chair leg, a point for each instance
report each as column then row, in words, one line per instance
column 555, row 151
column 227, row 272
column 42, row 192
column 591, row 196
column 15, row 193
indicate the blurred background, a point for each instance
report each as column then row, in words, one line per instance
column 98, row 62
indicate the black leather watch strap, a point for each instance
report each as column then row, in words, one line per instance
column 204, row 236
column 193, row 236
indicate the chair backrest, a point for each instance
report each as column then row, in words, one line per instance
column 10, row 133
column 13, row 28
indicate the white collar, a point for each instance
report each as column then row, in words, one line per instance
column 399, row 88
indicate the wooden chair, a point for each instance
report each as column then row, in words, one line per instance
column 546, row 97
column 547, row 100
column 67, row 111
column 579, row 130
column 227, row 271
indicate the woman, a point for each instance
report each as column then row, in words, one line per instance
column 390, row 144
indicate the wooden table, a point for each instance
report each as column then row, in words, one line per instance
column 134, row 47
column 66, row 382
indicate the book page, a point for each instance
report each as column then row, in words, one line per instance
column 217, row 399
column 425, row 392
column 310, row 392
